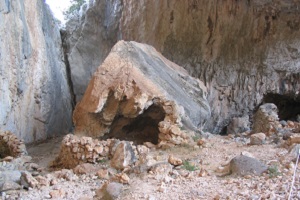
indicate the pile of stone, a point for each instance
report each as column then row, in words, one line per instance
column 266, row 119
column 169, row 132
column 76, row 150
column 10, row 145
column 17, row 173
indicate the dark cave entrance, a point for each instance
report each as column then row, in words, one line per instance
column 143, row 128
column 224, row 131
column 288, row 105
column 4, row 149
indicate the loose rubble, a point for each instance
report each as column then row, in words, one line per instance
column 245, row 165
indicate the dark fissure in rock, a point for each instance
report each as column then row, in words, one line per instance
column 288, row 106
column 143, row 128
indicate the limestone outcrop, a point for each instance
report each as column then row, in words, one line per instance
column 241, row 50
column 138, row 95
column 35, row 100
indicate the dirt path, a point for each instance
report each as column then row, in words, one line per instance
column 44, row 152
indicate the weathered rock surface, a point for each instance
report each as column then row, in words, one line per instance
column 10, row 185
column 244, row 165
column 123, row 155
column 265, row 119
column 35, row 99
column 257, row 139
column 138, row 95
column 241, row 50
column 9, row 176
column 27, row 180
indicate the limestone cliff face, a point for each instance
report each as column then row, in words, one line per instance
column 34, row 95
column 241, row 50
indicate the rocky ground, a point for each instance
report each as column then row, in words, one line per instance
column 254, row 164
column 200, row 176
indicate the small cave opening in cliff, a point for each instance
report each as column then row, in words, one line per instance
column 143, row 128
column 288, row 105
column 224, row 131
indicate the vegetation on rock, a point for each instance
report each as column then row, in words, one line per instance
column 73, row 9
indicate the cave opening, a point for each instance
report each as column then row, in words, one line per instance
column 143, row 128
column 224, row 131
column 288, row 105
column 4, row 149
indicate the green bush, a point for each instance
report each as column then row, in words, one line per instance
column 188, row 166
column 73, row 9
column 273, row 171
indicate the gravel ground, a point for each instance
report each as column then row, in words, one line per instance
column 204, row 182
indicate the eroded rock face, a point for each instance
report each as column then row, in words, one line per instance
column 138, row 95
column 240, row 49
column 35, row 99
column 89, row 38
column 265, row 119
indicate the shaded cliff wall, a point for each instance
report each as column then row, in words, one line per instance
column 241, row 49
column 35, row 99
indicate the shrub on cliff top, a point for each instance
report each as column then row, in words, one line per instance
column 73, row 9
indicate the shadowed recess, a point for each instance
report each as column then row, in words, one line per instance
column 143, row 128
column 288, row 106
column 4, row 149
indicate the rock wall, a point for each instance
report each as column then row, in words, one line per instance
column 241, row 50
column 35, row 100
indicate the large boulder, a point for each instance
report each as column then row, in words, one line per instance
column 137, row 94
column 35, row 100
column 244, row 165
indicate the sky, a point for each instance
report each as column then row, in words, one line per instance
column 57, row 7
